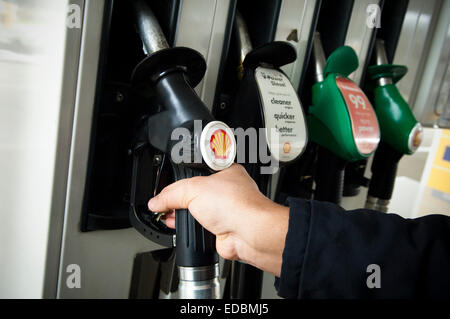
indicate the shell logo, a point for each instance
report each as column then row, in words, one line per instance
column 287, row 147
column 217, row 145
column 220, row 144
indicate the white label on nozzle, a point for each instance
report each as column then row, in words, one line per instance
column 283, row 115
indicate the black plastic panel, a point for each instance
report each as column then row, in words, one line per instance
column 392, row 17
column 261, row 18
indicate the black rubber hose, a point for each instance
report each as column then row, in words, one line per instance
column 384, row 171
column 329, row 177
column 247, row 281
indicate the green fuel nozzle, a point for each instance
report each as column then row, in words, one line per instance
column 341, row 120
column 399, row 128
column 400, row 132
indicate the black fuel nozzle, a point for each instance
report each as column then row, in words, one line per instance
column 256, row 67
column 265, row 101
column 170, row 74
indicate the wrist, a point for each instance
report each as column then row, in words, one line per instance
column 264, row 240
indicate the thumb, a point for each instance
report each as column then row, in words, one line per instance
column 175, row 196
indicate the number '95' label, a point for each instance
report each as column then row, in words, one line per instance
column 283, row 116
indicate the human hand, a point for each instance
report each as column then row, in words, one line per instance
column 248, row 226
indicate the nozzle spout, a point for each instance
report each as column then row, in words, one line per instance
column 199, row 282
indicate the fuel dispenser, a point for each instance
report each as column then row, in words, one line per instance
column 400, row 132
column 170, row 74
column 111, row 156
column 341, row 120
column 264, row 101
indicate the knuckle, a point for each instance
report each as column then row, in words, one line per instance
column 240, row 168
column 194, row 181
column 186, row 190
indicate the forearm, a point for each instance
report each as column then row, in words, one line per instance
column 328, row 250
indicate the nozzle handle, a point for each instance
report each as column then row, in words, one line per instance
column 195, row 246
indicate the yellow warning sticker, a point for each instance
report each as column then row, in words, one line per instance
column 440, row 172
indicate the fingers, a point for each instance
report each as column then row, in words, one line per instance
column 175, row 196
column 169, row 219
column 170, row 222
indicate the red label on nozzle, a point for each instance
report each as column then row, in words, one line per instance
column 366, row 131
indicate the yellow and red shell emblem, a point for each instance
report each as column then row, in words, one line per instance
column 220, row 144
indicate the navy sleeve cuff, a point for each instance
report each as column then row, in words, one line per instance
column 288, row 285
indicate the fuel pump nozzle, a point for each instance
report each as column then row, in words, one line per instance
column 340, row 120
column 264, row 100
column 170, row 75
column 400, row 132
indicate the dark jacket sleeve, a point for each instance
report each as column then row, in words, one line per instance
column 328, row 251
